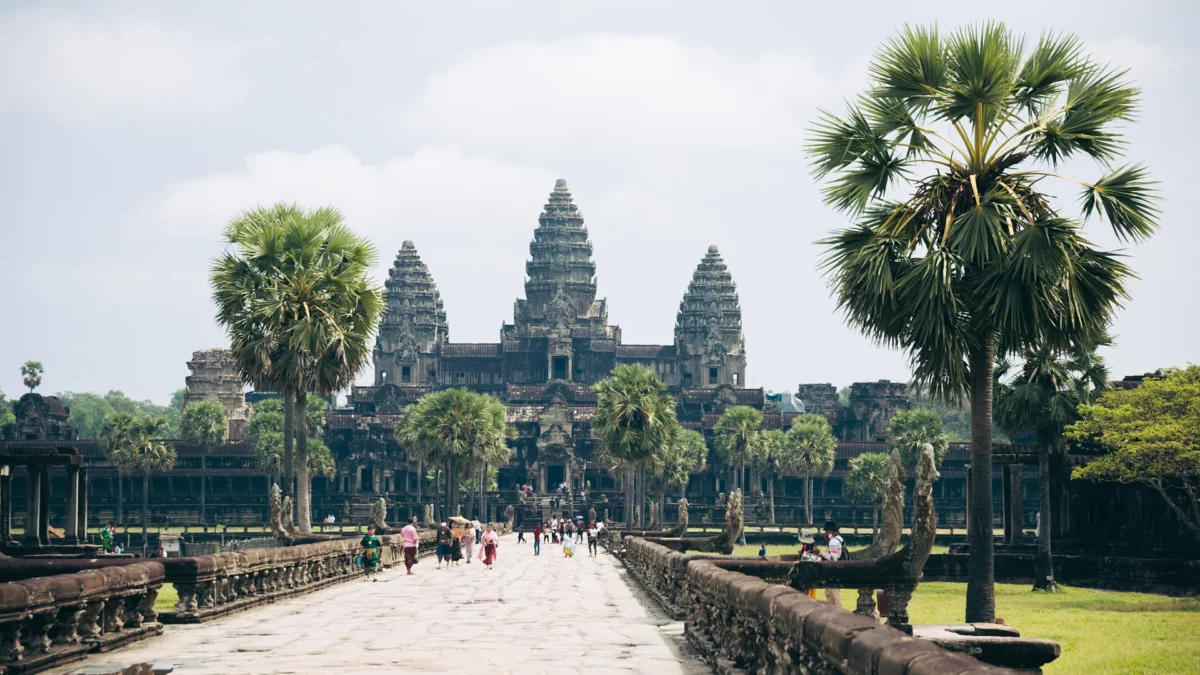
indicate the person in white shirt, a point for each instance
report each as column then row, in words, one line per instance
column 593, row 539
column 836, row 549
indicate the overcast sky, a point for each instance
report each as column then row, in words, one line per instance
column 130, row 133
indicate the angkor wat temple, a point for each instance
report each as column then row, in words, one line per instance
column 542, row 366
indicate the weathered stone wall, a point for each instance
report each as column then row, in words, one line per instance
column 742, row 623
column 56, row 619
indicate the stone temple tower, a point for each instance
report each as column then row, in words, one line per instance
column 708, row 328
column 414, row 323
column 560, row 284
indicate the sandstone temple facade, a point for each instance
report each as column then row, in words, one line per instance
column 544, row 362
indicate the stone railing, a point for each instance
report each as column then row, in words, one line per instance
column 49, row 620
column 743, row 623
column 214, row 585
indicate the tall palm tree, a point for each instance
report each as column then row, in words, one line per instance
column 912, row 429
column 139, row 448
column 684, row 454
column 811, row 453
column 205, row 424
column 292, row 290
column 117, row 430
column 1043, row 399
column 635, row 419
column 779, row 446
column 973, row 259
column 457, row 429
column 737, row 437
column 866, row 483
column 31, row 374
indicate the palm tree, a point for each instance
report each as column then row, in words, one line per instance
column 974, row 260
column 866, row 483
column 457, row 429
column 205, row 424
column 1043, row 399
column 912, row 429
column 811, row 453
column 139, row 449
column 293, row 292
column 117, row 431
column 635, row 419
column 737, row 437
column 31, row 374
column 779, row 446
column 685, row 454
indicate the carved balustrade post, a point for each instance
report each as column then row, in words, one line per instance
column 114, row 614
column 36, row 633
column 11, row 649
column 66, row 625
column 89, row 622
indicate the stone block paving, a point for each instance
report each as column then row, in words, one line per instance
column 529, row 615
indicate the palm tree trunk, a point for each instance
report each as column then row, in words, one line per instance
column 808, row 487
column 303, row 484
column 145, row 509
column 981, row 565
column 203, row 480
column 120, row 495
column 420, row 479
column 629, row 497
column 874, row 523
column 440, row 501
column 289, row 435
column 1043, row 568
column 642, row 501
column 771, row 498
column 452, row 488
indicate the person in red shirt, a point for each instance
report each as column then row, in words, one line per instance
column 537, row 539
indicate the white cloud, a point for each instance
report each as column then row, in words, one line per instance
column 604, row 95
column 73, row 67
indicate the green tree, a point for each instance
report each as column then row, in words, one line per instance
column 1152, row 437
column 453, row 428
column 811, row 453
column 1043, row 399
column 266, row 443
column 118, row 430
column 737, row 438
column 136, row 446
column 635, row 420
column 293, row 291
column 779, row 449
column 866, row 483
column 684, row 455
column 7, row 418
column 205, row 424
column 31, row 374
column 174, row 412
column 972, row 258
column 912, row 429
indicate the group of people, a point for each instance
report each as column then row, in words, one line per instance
column 455, row 541
column 835, row 549
column 565, row 532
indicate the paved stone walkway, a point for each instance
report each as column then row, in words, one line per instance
column 544, row 614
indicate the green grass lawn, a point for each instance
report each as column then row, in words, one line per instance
column 167, row 597
column 774, row 550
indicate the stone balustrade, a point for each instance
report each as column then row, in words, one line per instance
column 214, row 585
column 741, row 623
column 49, row 620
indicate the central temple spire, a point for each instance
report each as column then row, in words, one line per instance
column 561, row 277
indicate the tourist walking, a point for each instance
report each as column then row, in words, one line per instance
column 808, row 553
column 835, row 550
column 412, row 541
column 579, row 529
column 456, row 536
column 491, row 541
column 545, row 533
column 520, row 534
column 468, row 541
column 443, row 545
column 370, row 546
column 568, row 547
column 593, row 537
column 537, row 539
column 478, row 530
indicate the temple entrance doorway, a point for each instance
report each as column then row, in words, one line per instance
column 560, row 367
column 554, row 477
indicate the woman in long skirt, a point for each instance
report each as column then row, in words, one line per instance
column 490, row 541
column 469, row 543
column 456, row 550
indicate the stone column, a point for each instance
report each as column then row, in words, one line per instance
column 44, row 511
column 71, row 531
column 541, row 478
column 1014, row 501
column 1005, row 493
column 33, row 500
column 82, row 518
column 6, row 505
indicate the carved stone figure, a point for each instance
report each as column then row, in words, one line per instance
column 379, row 514
column 509, row 516
column 681, row 526
column 276, row 517
column 591, row 516
column 427, row 515
column 653, row 522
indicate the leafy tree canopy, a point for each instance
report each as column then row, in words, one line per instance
column 89, row 411
column 31, row 374
column 1152, row 437
column 205, row 423
column 635, row 417
column 912, row 429
column 866, row 483
column 737, row 435
column 812, row 448
column 133, row 443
